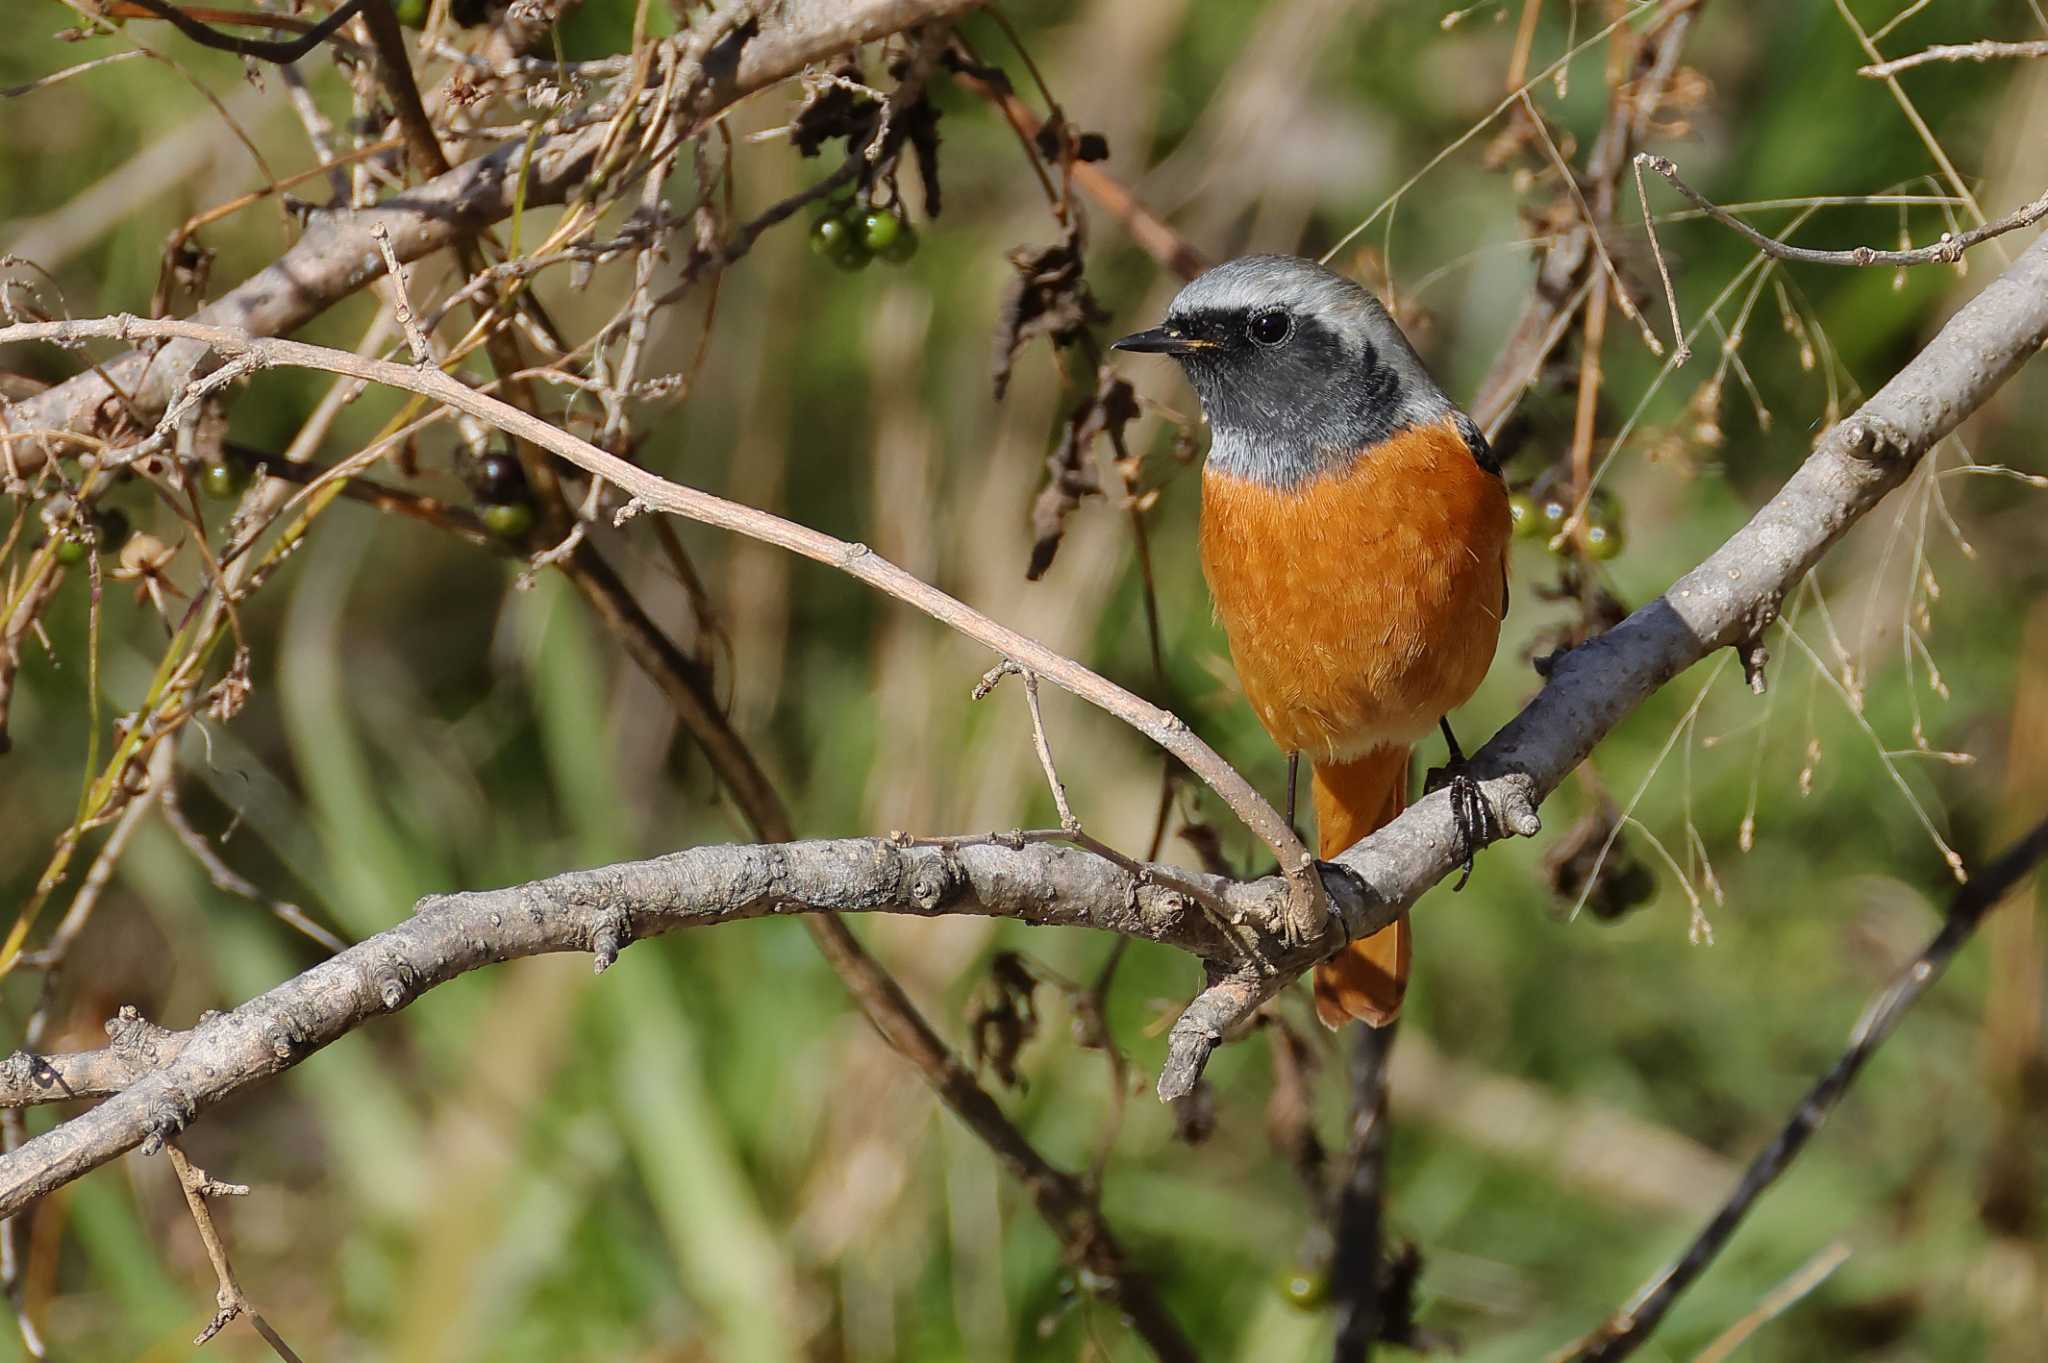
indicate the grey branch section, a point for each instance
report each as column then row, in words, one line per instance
column 156, row 1081
column 728, row 54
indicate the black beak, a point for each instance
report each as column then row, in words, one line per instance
column 1165, row 340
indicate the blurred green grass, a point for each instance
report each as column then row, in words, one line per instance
column 705, row 1154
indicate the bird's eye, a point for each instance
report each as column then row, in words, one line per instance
column 1270, row 328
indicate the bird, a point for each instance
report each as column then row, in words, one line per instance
column 1354, row 536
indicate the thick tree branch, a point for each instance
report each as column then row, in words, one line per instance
column 156, row 1081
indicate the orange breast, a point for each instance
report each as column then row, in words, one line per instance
column 1364, row 606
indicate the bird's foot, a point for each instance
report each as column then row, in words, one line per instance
column 1469, row 808
column 1473, row 815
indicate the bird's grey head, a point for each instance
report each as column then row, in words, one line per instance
column 1298, row 368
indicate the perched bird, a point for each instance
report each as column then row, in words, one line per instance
column 1354, row 536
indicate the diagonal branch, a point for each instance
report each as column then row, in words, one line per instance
column 1633, row 1325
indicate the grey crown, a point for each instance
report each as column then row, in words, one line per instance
column 1342, row 378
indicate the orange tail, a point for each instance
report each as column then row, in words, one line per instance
column 1367, row 979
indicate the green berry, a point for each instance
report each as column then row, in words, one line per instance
column 829, row 236
column 223, row 480
column 411, row 13
column 1522, row 511
column 854, row 255
column 1552, row 514
column 903, row 247
column 70, row 552
column 1304, row 1288
column 879, row 229
column 113, row 528
column 1603, row 542
column 508, row 520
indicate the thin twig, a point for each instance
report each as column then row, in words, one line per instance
column 1983, row 51
column 1561, row 285
column 1153, row 234
column 1633, row 1325
column 1592, row 224
column 1777, row 1301
column 229, row 881
column 401, row 303
column 1044, row 746
column 262, row 49
column 197, row 1187
column 1683, row 348
column 1946, row 251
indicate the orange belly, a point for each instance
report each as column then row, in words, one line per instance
column 1364, row 606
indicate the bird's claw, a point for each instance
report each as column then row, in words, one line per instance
column 1469, row 809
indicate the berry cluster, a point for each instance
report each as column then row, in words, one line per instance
column 1542, row 518
column 850, row 236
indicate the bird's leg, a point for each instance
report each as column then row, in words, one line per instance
column 1293, row 778
column 1468, row 803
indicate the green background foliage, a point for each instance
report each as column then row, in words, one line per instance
column 706, row 1154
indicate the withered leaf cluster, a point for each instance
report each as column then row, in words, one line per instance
column 1048, row 297
column 1059, row 141
column 1004, row 1018
column 1106, row 411
column 836, row 109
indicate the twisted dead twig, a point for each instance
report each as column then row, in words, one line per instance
column 1946, row 251
column 1627, row 1331
column 722, row 59
column 284, row 52
column 1152, row 233
column 1954, row 52
column 229, row 1300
